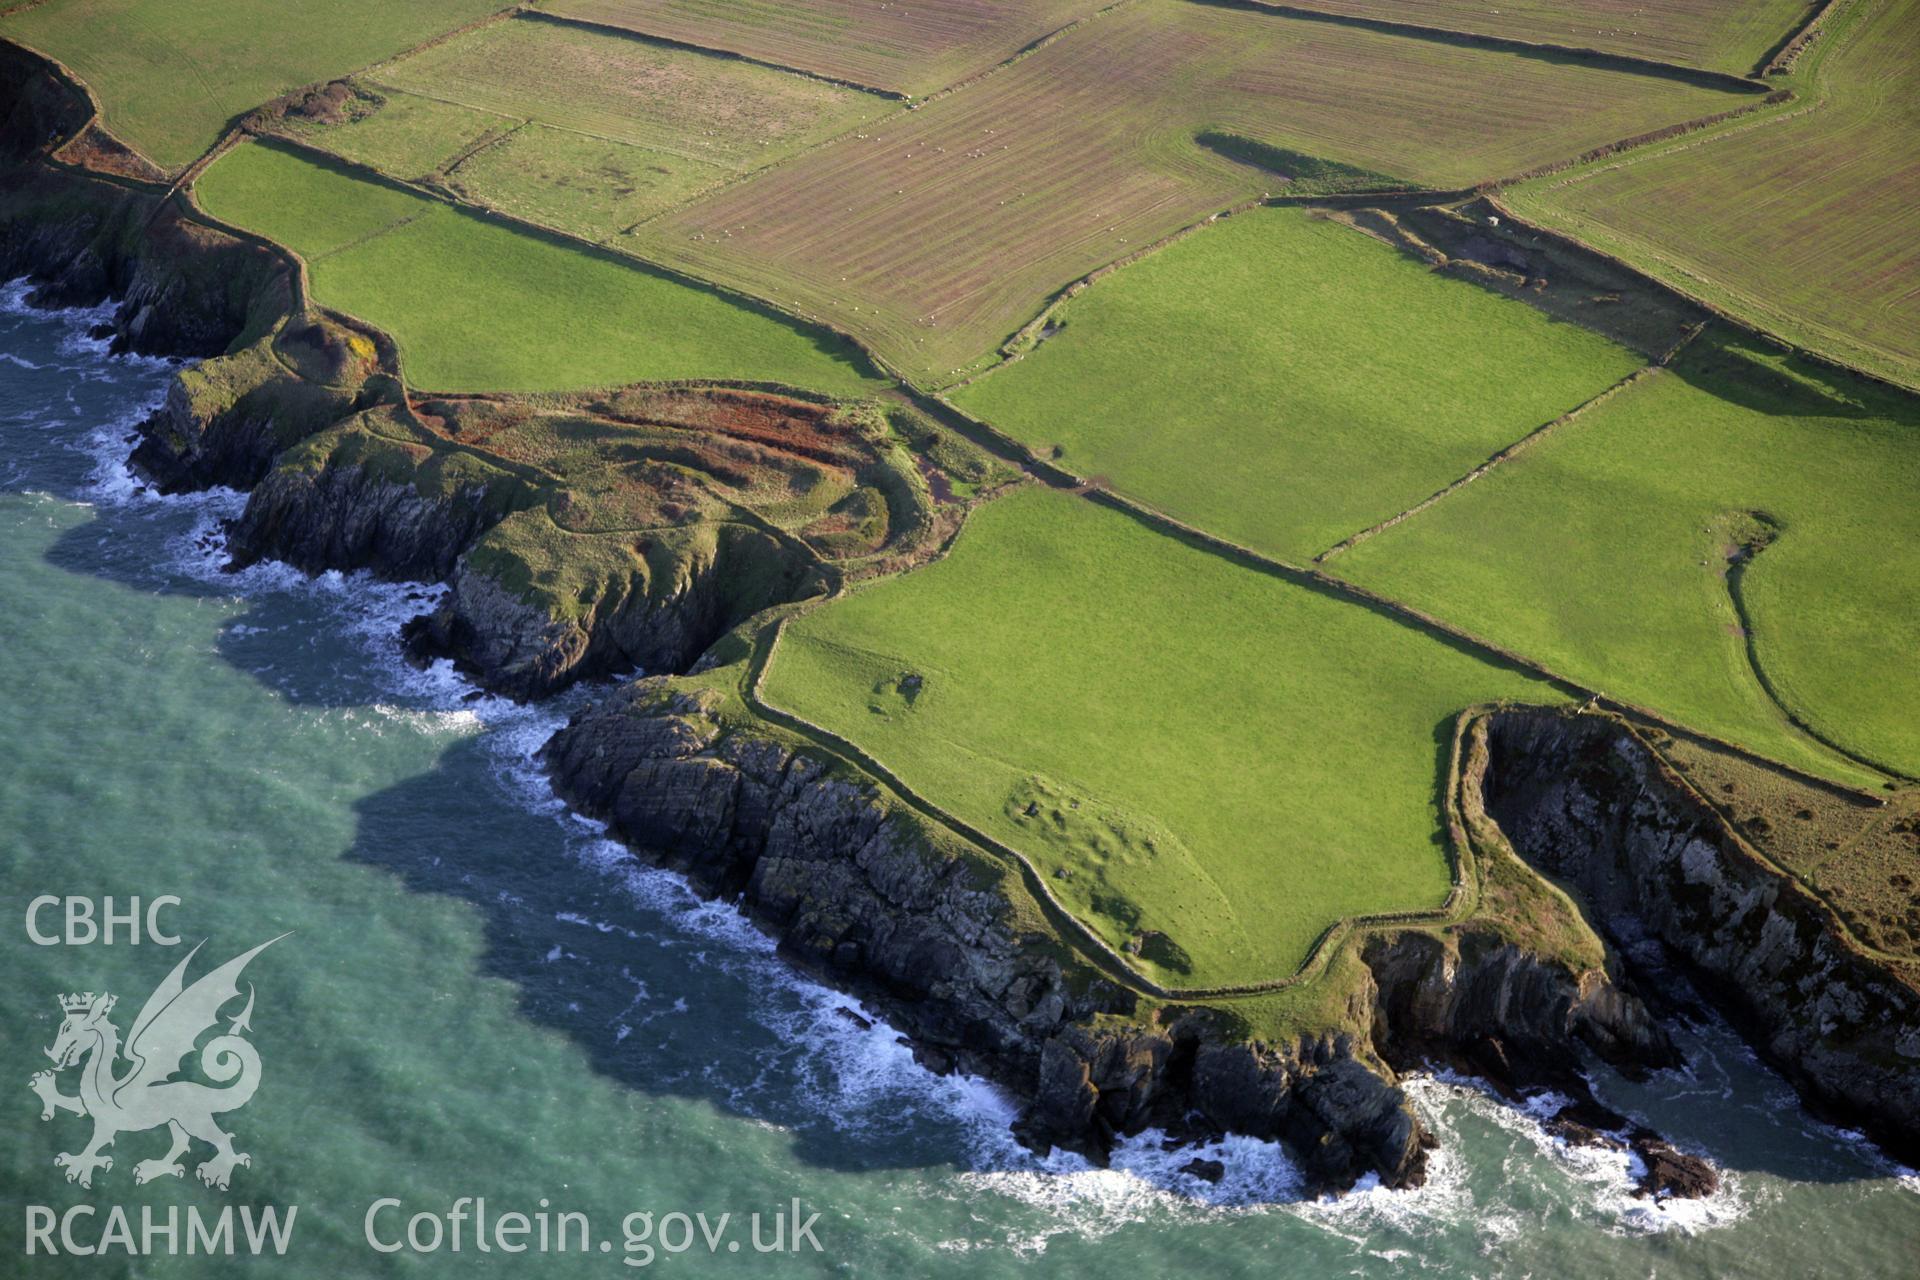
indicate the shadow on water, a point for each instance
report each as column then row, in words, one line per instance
column 694, row 1006
column 295, row 642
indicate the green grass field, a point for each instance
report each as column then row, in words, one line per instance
column 1808, row 225
column 477, row 306
column 406, row 135
column 1285, row 381
column 1603, row 551
column 1208, row 753
column 941, row 231
column 171, row 76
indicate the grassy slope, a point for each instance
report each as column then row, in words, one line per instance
column 1603, row 553
column 1285, row 381
column 945, row 229
column 1810, row 225
column 1280, row 749
column 477, row 306
column 1723, row 35
column 171, row 76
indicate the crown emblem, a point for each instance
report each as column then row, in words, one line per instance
column 80, row 1002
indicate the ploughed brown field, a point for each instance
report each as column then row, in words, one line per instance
column 908, row 46
column 937, row 233
column 1719, row 35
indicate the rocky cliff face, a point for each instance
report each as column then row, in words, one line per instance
column 1583, row 799
column 183, row 289
column 353, row 518
column 1508, row 1013
column 658, row 613
column 852, row 887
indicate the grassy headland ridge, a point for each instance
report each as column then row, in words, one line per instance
column 1212, row 765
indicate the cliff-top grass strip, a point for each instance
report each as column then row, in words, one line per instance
column 1212, row 766
column 171, row 78
column 946, row 229
column 1852, row 853
column 1283, row 380
column 1604, row 552
column 1735, row 842
column 481, row 306
column 1804, row 226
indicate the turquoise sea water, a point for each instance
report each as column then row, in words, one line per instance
column 481, row 998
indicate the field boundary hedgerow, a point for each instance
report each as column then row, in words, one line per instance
column 1719, row 313
column 1736, row 596
column 1028, row 336
column 1022, row 340
column 764, row 306
column 1743, row 292
column 1701, row 76
column 1523, row 443
column 568, row 240
column 992, row 438
column 1779, row 60
column 688, row 46
column 1026, row 50
column 1666, row 133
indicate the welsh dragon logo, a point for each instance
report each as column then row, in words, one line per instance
column 145, row 1096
